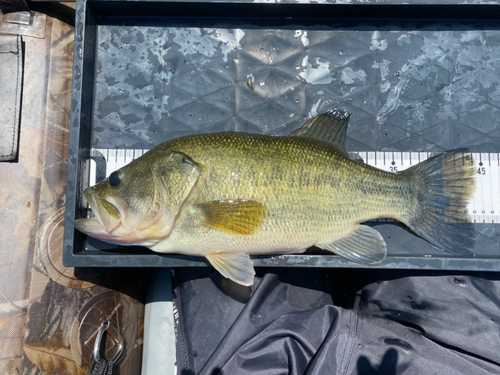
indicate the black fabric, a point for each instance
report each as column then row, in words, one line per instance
column 312, row 321
column 101, row 367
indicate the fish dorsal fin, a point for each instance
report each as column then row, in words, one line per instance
column 237, row 267
column 330, row 127
column 235, row 216
column 364, row 245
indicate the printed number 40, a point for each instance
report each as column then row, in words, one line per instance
column 481, row 171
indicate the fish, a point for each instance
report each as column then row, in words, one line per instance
column 226, row 196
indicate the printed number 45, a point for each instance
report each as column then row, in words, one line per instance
column 481, row 171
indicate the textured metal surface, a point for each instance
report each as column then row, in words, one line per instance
column 410, row 86
column 426, row 87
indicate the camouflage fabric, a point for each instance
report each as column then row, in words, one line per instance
column 50, row 314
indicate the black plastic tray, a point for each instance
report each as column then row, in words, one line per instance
column 137, row 82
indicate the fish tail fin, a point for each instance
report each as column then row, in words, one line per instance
column 444, row 185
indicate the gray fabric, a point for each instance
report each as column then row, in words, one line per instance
column 11, row 68
column 340, row 322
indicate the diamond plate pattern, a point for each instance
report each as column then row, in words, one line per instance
column 410, row 87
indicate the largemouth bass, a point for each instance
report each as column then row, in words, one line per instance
column 226, row 196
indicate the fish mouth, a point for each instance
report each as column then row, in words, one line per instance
column 106, row 220
column 92, row 228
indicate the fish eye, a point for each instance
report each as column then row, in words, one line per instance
column 115, row 178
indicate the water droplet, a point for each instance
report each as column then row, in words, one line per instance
column 296, row 100
column 360, row 346
column 397, row 74
column 460, row 282
column 78, row 72
column 261, row 49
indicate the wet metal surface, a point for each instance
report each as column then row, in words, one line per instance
column 409, row 86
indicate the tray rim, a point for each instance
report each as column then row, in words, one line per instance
column 77, row 155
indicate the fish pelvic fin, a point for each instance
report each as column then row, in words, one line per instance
column 444, row 185
column 235, row 216
column 236, row 267
column 330, row 127
column 364, row 245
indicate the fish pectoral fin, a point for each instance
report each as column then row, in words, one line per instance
column 236, row 216
column 330, row 127
column 237, row 267
column 365, row 245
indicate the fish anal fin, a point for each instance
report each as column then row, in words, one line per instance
column 330, row 127
column 236, row 267
column 364, row 245
column 236, row 216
